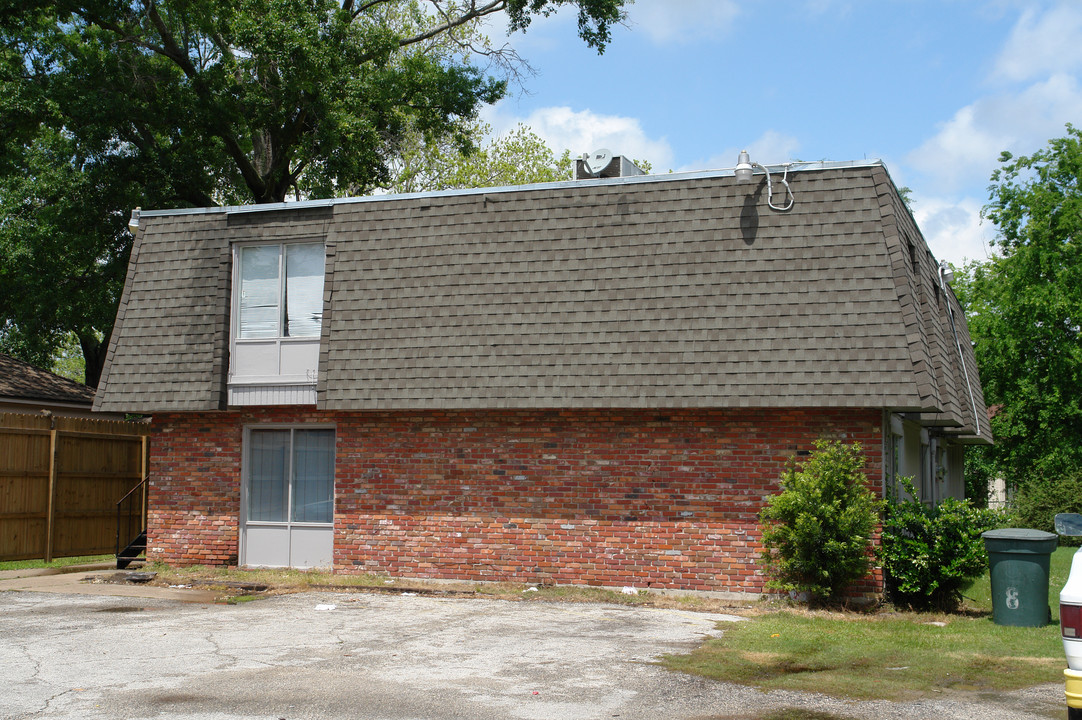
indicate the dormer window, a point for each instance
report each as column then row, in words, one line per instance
column 281, row 291
column 277, row 315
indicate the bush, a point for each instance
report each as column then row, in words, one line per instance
column 817, row 532
column 1036, row 503
column 932, row 554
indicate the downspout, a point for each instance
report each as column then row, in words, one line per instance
column 943, row 270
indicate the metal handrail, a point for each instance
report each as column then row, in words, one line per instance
column 119, row 510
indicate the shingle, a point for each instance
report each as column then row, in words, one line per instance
column 670, row 292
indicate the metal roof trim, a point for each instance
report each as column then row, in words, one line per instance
column 559, row 185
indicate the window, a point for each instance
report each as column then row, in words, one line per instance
column 277, row 317
column 291, row 476
column 281, row 291
column 288, row 497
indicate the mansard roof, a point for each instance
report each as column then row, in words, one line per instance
column 682, row 290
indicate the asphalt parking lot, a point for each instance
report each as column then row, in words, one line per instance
column 370, row 656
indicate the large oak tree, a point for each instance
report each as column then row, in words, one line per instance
column 106, row 105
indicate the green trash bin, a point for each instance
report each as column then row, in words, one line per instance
column 1018, row 564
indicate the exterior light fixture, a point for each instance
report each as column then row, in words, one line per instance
column 133, row 223
column 945, row 272
column 743, row 168
column 743, row 172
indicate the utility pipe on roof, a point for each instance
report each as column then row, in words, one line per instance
column 943, row 272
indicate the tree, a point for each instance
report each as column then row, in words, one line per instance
column 63, row 249
column 518, row 158
column 111, row 104
column 1024, row 308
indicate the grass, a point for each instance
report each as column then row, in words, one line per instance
column 909, row 655
column 230, row 582
column 57, row 563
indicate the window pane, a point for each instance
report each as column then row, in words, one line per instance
column 258, row 292
column 313, row 476
column 267, row 475
column 304, row 289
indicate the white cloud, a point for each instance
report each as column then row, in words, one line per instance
column 682, row 21
column 1040, row 45
column 966, row 148
column 770, row 148
column 953, row 228
column 584, row 131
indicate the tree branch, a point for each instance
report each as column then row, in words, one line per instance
column 252, row 178
column 122, row 34
column 472, row 14
column 172, row 50
column 364, row 7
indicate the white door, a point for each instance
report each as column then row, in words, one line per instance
column 288, row 518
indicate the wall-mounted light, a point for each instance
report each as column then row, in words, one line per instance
column 743, row 167
column 133, row 223
column 945, row 272
column 744, row 170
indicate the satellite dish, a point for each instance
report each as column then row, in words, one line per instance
column 597, row 161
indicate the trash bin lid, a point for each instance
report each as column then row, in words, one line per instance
column 1020, row 541
column 1023, row 534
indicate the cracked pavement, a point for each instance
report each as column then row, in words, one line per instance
column 355, row 655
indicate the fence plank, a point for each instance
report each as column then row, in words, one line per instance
column 50, row 516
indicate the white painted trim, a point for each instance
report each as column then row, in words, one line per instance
column 280, row 394
column 793, row 167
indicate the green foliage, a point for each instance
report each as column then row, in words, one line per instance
column 63, row 247
column 1024, row 310
column 931, row 554
column 817, row 532
column 518, row 158
column 980, row 473
column 68, row 361
column 108, row 105
column 1036, row 503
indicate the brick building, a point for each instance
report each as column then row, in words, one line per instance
column 595, row 381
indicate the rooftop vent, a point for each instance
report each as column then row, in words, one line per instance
column 603, row 164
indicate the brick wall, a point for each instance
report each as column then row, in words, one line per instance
column 643, row 498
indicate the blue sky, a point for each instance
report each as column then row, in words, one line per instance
column 934, row 88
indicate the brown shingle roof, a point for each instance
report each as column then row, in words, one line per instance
column 661, row 292
column 22, row 381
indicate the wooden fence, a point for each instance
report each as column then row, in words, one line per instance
column 60, row 480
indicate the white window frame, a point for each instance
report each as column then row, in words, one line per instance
column 277, row 361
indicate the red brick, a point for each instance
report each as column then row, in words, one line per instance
column 644, row 498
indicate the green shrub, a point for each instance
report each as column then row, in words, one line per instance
column 931, row 554
column 1036, row 503
column 817, row 532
